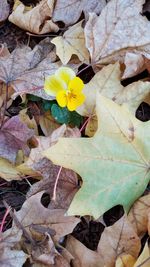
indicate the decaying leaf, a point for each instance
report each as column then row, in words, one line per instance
column 144, row 258
column 12, row 258
column 138, row 215
column 4, row 10
column 48, row 123
column 8, row 171
column 68, row 181
column 107, row 82
column 13, row 137
column 33, row 214
column 36, row 20
column 125, row 260
column 119, row 28
column 111, row 163
column 25, row 69
column 120, row 238
column 69, row 11
column 71, row 43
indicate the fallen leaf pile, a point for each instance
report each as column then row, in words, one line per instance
column 78, row 166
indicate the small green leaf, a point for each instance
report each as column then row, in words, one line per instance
column 33, row 98
column 76, row 119
column 61, row 115
column 47, row 104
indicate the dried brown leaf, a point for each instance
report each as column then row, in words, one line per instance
column 25, row 69
column 120, row 28
column 69, row 11
column 36, row 20
column 138, row 215
column 4, row 10
column 13, row 137
column 33, row 213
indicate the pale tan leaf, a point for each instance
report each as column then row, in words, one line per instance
column 138, row 215
column 120, row 28
column 8, row 171
column 36, row 19
column 69, row 11
column 47, row 123
column 134, row 64
column 71, row 43
column 144, row 258
column 107, row 82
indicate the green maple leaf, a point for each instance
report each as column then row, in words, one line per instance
column 114, row 164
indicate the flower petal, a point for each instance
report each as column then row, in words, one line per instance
column 76, row 84
column 74, row 102
column 65, row 73
column 61, row 98
column 53, row 85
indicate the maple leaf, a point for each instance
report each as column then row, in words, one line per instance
column 107, row 82
column 120, row 238
column 71, row 43
column 34, row 20
column 25, row 69
column 111, row 163
column 70, row 11
column 119, row 28
column 13, row 137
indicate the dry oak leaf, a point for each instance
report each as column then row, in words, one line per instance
column 120, row 28
column 107, row 82
column 9, row 256
column 4, row 10
column 33, row 213
column 111, row 163
column 14, row 135
column 144, row 258
column 119, row 238
column 68, row 181
column 36, row 20
column 71, row 43
column 25, row 69
column 138, row 215
column 69, row 11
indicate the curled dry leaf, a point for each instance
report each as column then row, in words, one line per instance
column 37, row 20
column 138, row 215
column 33, row 213
column 69, row 11
column 119, row 238
column 71, row 43
column 4, row 10
column 48, row 123
column 121, row 143
column 25, row 69
column 119, row 28
column 107, row 82
column 13, row 137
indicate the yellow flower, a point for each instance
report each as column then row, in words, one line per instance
column 66, row 87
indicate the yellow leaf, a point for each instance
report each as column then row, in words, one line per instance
column 8, row 171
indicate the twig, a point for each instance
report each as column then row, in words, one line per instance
column 4, row 218
column 5, row 106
